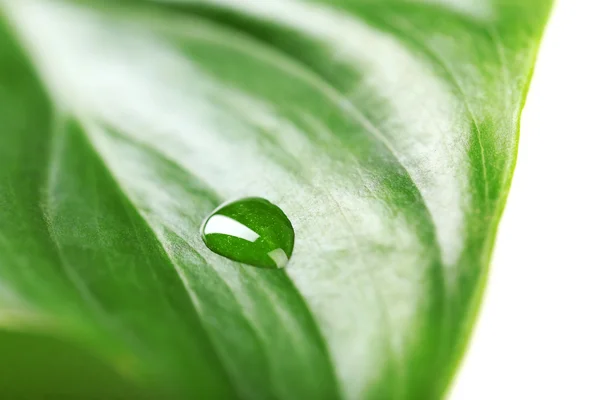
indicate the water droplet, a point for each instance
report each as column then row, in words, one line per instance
column 252, row 230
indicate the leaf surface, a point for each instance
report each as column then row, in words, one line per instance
column 386, row 131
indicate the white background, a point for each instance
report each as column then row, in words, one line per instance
column 538, row 336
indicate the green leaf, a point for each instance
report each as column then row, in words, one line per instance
column 386, row 132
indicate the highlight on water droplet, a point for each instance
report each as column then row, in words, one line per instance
column 251, row 230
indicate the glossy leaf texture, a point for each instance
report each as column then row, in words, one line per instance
column 385, row 130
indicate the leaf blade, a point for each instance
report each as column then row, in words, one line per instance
column 391, row 196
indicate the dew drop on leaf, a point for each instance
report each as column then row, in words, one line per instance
column 251, row 230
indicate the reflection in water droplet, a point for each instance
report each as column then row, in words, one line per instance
column 252, row 230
